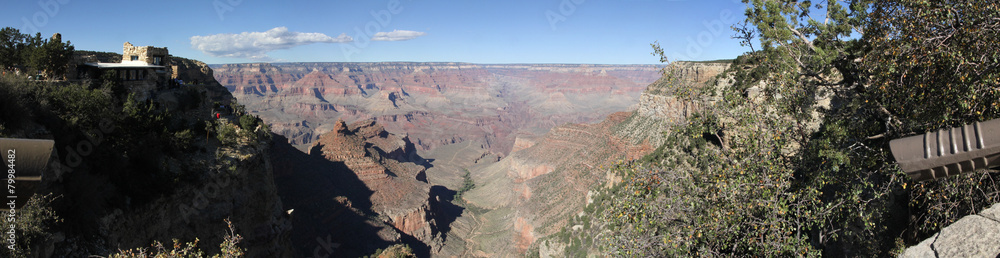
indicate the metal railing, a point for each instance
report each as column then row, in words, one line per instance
column 24, row 161
column 948, row 152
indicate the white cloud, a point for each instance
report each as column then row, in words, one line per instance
column 255, row 45
column 397, row 35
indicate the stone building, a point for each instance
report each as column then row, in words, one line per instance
column 147, row 54
column 142, row 69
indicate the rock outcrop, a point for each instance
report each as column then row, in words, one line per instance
column 381, row 161
column 359, row 188
column 659, row 105
column 975, row 235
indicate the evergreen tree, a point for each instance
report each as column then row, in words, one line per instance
column 52, row 56
column 12, row 42
column 48, row 56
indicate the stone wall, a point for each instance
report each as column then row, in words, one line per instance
column 145, row 54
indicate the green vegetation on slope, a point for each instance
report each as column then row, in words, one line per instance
column 33, row 219
column 129, row 145
column 467, row 184
column 786, row 173
column 142, row 137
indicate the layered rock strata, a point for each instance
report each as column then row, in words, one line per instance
column 435, row 104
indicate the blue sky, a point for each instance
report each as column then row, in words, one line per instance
column 536, row 31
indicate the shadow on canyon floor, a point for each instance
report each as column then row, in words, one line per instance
column 332, row 207
column 447, row 211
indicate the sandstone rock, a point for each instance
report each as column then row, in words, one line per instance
column 992, row 213
column 668, row 108
column 971, row 236
column 921, row 250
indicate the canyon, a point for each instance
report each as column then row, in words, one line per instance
column 370, row 154
column 434, row 104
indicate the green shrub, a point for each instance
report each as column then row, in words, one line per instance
column 182, row 140
column 226, row 134
column 49, row 55
column 31, row 225
column 248, row 122
column 467, row 184
column 17, row 101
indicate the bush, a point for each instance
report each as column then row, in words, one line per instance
column 182, row 140
column 248, row 122
column 226, row 134
column 47, row 55
column 17, row 102
column 229, row 248
column 32, row 223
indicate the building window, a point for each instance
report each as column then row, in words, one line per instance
column 157, row 60
column 131, row 75
column 135, row 58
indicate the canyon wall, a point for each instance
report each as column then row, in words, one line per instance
column 434, row 104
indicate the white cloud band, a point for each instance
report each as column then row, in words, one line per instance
column 255, row 45
column 397, row 35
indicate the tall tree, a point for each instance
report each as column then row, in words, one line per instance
column 52, row 56
column 12, row 42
